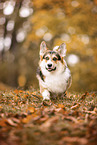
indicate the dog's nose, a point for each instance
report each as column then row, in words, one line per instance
column 49, row 65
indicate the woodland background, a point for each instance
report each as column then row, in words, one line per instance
column 25, row 23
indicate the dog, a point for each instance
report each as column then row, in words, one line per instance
column 53, row 74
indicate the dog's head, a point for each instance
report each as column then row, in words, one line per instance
column 52, row 61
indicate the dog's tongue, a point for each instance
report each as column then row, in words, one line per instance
column 49, row 69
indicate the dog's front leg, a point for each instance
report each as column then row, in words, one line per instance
column 46, row 95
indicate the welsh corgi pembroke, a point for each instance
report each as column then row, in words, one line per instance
column 53, row 74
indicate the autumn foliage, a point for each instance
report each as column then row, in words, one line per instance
column 25, row 119
column 22, row 29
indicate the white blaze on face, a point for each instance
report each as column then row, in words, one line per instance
column 52, row 64
column 49, row 62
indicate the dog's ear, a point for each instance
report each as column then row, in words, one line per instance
column 61, row 49
column 43, row 47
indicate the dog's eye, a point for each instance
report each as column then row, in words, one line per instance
column 54, row 58
column 47, row 58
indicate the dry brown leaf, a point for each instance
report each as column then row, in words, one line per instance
column 47, row 124
column 27, row 119
column 95, row 109
column 11, row 122
column 76, row 140
column 16, row 120
column 71, row 118
column 60, row 110
column 61, row 106
column 3, row 122
column 75, row 106
column 86, row 118
column 30, row 109
column 84, row 96
column 16, row 91
column 91, row 112
column 46, row 103
column 44, row 118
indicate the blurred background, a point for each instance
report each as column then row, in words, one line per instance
column 25, row 23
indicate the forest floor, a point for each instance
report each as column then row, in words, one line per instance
column 27, row 120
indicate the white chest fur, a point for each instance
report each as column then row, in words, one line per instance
column 57, row 83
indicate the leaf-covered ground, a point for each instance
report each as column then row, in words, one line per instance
column 26, row 120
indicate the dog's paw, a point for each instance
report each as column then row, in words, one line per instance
column 46, row 95
column 46, row 98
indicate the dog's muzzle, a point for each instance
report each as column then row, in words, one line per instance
column 49, row 68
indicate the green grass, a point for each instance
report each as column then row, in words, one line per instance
column 25, row 119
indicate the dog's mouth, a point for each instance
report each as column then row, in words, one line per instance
column 50, row 69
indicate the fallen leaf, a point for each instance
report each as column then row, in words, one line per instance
column 11, row 122
column 84, row 96
column 0, row 106
column 75, row 140
column 86, row 118
column 3, row 123
column 91, row 112
column 93, row 94
column 59, row 110
column 30, row 109
column 26, row 119
column 47, row 124
column 95, row 109
column 46, row 103
column 16, row 120
column 71, row 118
column 61, row 106
column 75, row 106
